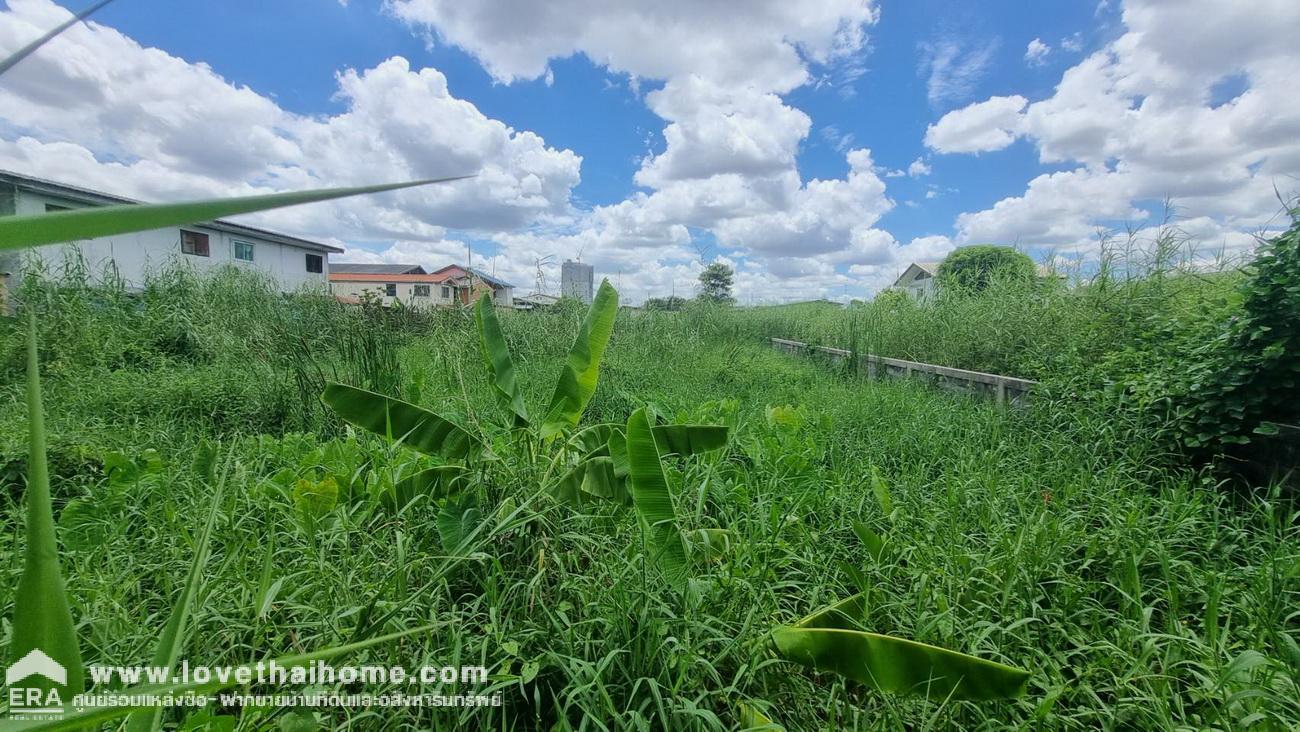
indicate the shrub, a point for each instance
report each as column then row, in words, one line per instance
column 973, row 268
column 1246, row 381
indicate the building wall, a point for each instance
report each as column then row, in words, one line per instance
column 405, row 293
column 136, row 255
column 576, row 280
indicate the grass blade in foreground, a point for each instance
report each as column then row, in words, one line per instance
column 32, row 230
column 847, row 614
column 899, row 666
column 417, row 428
column 42, row 618
column 31, row 48
column 173, row 636
column 80, row 719
column 654, row 502
column 496, row 358
column 579, row 374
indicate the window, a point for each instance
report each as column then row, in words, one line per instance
column 315, row 263
column 192, row 242
column 421, row 291
column 390, row 289
column 243, row 251
column 446, row 293
column 53, row 207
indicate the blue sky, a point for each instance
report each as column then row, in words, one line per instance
column 972, row 131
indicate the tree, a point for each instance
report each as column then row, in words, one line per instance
column 672, row 303
column 973, row 268
column 715, row 284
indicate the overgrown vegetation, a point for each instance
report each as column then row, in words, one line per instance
column 1063, row 538
column 1197, row 352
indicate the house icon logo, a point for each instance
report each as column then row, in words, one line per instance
column 36, row 663
column 25, row 699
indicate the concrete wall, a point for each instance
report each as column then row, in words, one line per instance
column 1002, row 389
column 138, row 254
column 405, row 293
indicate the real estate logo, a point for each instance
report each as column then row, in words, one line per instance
column 27, row 699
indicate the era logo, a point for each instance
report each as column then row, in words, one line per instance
column 28, row 700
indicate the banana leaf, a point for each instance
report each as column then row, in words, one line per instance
column 617, row 446
column 689, row 439
column 415, row 427
column 32, row 230
column 653, row 501
column 899, row 666
column 438, row 482
column 568, row 489
column 497, row 361
column 581, row 369
column 599, row 480
column 593, row 440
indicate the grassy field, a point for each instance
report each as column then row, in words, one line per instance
column 1056, row 538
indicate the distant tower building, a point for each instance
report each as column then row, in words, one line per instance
column 575, row 280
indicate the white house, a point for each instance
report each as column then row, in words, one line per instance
column 293, row 262
column 410, row 285
column 918, row 278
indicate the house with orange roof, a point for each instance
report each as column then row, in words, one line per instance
column 412, row 286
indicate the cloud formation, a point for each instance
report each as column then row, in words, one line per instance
column 1139, row 120
column 98, row 108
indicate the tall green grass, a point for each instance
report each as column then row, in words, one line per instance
column 1055, row 538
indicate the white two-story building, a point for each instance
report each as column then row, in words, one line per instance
column 293, row 262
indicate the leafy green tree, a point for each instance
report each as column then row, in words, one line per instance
column 715, row 283
column 972, row 268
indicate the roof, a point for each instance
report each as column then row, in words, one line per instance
column 98, row 198
column 929, row 268
column 364, row 268
column 539, row 298
column 932, row 269
column 494, row 281
column 381, row 277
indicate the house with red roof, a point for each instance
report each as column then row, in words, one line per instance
column 412, row 286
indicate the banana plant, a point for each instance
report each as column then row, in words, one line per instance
column 834, row 639
column 619, row 463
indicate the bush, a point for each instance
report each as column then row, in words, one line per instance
column 1244, row 382
column 974, row 268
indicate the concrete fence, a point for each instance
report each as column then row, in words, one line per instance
column 1003, row 389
